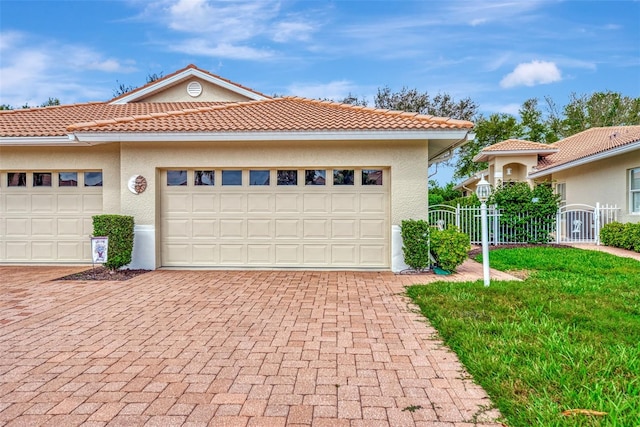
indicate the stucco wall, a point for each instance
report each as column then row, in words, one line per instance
column 101, row 157
column 520, row 166
column 210, row 93
column 407, row 160
column 605, row 181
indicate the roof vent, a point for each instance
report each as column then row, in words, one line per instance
column 194, row 89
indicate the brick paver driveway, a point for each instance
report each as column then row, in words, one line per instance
column 225, row 348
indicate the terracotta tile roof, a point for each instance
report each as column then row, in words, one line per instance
column 588, row 143
column 287, row 114
column 518, row 145
column 190, row 66
column 54, row 121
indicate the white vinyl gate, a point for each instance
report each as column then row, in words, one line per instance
column 572, row 223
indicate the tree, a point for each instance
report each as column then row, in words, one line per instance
column 534, row 127
column 354, row 100
column 50, row 102
column 6, row 107
column 442, row 105
column 496, row 128
column 123, row 88
column 439, row 194
column 599, row 109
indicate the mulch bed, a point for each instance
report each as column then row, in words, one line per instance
column 101, row 273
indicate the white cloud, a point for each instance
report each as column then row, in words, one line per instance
column 531, row 74
column 336, row 90
column 285, row 31
column 513, row 108
column 202, row 47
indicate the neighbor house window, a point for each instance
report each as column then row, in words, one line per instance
column 176, row 178
column 17, row 179
column 287, row 177
column 204, row 177
column 343, row 177
column 232, row 177
column 68, row 179
column 93, row 179
column 42, row 179
column 259, row 177
column 634, row 188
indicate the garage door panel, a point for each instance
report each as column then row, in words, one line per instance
column 344, row 254
column 373, row 254
column 176, row 203
column 43, row 227
column 373, row 229
column 260, row 203
column 19, row 250
column 177, row 253
column 87, row 227
column 178, row 228
column 43, row 203
column 68, row 251
column 344, row 203
column 315, row 254
column 233, row 203
column 18, row 203
column 232, row 254
column 288, row 203
column 232, row 228
column 70, row 227
column 373, row 203
column 316, row 203
column 18, row 227
column 204, row 228
column 288, row 229
column 92, row 203
column 205, row 203
column 344, row 229
column 69, row 203
column 315, row 228
column 259, row 229
column 288, row 254
column 43, row 251
column 205, row 254
column 259, row 254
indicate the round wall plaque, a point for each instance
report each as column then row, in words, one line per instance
column 137, row 184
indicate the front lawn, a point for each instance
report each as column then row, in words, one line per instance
column 565, row 339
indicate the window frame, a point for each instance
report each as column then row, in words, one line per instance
column 633, row 191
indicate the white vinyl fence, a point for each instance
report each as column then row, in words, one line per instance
column 571, row 224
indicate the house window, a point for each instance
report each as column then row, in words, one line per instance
column 42, row 179
column 204, row 177
column 634, row 188
column 17, row 179
column 232, row 177
column 67, row 179
column 315, row 177
column 176, row 178
column 287, row 177
column 561, row 190
column 342, row 177
column 259, row 177
column 371, row 177
column 93, row 179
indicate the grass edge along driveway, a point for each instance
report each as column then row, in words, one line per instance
column 561, row 348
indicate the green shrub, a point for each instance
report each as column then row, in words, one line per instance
column 449, row 247
column 625, row 236
column 119, row 229
column 415, row 243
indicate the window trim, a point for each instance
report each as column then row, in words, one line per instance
column 633, row 191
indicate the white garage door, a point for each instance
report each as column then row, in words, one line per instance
column 278, row 218
column 46, row 216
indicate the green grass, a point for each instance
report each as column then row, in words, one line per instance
column 567, row 337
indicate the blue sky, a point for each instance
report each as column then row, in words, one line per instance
column 498, row 53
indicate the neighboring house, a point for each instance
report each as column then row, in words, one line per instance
column 599, row 165
column 218, row 175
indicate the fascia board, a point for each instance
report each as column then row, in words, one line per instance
column 484, row 154
column 184, row 75
column 91, row 137
column 585, row 160
column 40, row 141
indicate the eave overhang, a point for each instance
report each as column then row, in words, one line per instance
column 484, row 156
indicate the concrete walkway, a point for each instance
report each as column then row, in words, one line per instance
column 608, row 249
column 260, row 348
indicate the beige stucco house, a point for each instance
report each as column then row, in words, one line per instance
column 217, row 175
column 599, row 165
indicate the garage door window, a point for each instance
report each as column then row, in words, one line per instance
column 42, row 179
column 287, row 177
column 232, row 177
column 371, row 177
column 68, row 179
column 175, row 178
column 204, row 177
column 259, row 177
column 17, row 179
column 93, row 179
column 315, row 177
column 343, row 177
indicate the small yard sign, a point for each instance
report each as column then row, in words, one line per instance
column 99, row 249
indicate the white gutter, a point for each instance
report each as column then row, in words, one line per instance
column 94, row 137
column 40, row 141
column 448, row 153
column 593, row 158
